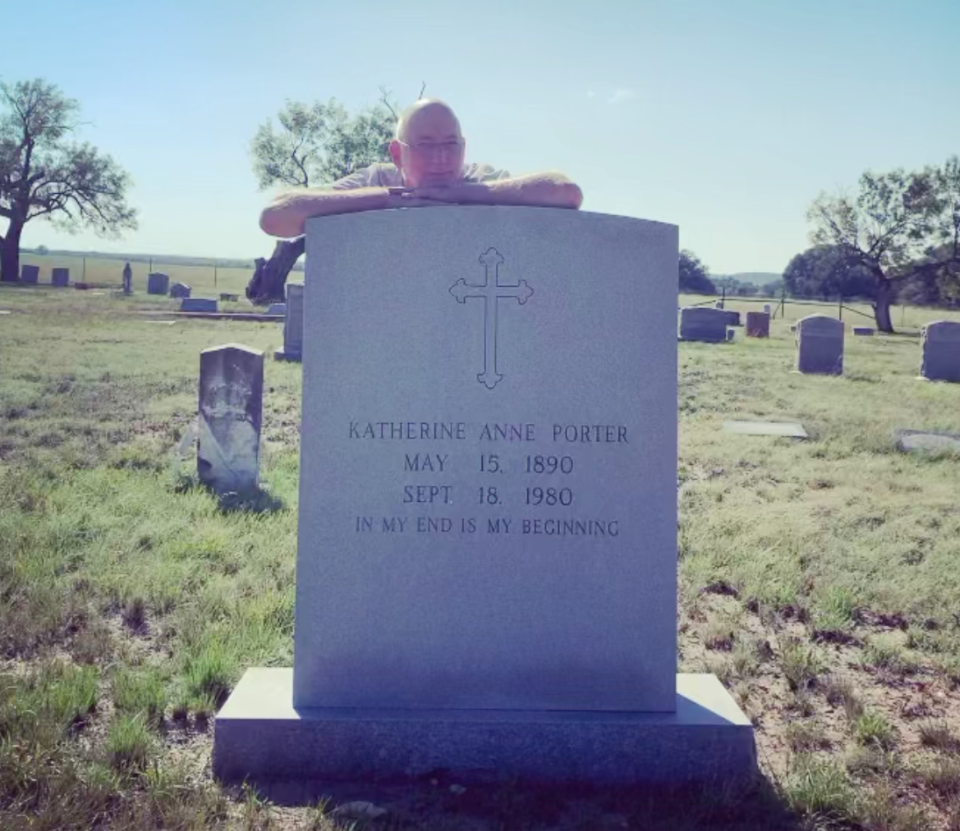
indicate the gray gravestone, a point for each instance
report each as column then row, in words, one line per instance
column 292, row 325
column 863, row 331
column 820, row 345
column 30, row 275
column 927, row 441
column 758, row 325
column 277, row 309
column 180, row 290
column 230, row 416
column 701, row 323
column 766, row 308
column 733, row 317
column 198, row 304
column 487, row 567
column 940, row 343
column 157, row 283
column 60, row 277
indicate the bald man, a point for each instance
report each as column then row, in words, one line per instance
column 428, row 170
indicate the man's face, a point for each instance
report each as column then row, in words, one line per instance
column 432, row 150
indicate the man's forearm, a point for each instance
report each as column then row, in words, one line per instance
column 544, row 190
column 286, row 216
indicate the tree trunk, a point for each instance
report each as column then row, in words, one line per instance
column 10, row 254
column 270, row 277
column 881, row 307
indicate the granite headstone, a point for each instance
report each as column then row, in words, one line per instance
column 198, row 304
column 157, row 283
column 292, row 325
column 758, row 325
column 30, row 275
column 486, row 574
column 701, row 323
column 60, row 277
column 820, row 345
column 940, row 344
column 180, row 290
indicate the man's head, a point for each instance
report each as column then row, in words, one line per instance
column 429, row 147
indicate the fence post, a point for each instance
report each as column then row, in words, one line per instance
column 214, row 276
column 723, row 298
column 84, row 269
column 151, row 265
column 783, row 303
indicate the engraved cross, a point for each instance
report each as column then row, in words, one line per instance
column 492, row 291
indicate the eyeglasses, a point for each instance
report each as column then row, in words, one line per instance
column 433, row 148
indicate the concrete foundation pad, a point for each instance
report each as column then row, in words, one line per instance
column 281, row 355
column 260, row 736
column 766, row 428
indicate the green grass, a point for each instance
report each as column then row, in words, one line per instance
column 131, row 599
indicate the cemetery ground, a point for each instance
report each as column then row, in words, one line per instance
column 818, row 580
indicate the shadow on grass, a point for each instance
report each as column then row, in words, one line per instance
column 440, row 799
column 252, row 501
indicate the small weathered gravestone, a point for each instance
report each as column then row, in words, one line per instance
column 940, row 343
column 60, row 277
column 180, row 290
column 701, row 323
column 30, row 275
column 230, row 416
column 292, row 325
column 766, row 308
column 487, row 550
column 718, row 304
column 277, row 309
column 127, row 279
column 158, row 283
column 198, row 304
column 758, row 325
column 863, row 331
column 731, row 335
column 733, row 317
column 820, row 345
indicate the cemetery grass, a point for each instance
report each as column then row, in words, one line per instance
column 818, row 579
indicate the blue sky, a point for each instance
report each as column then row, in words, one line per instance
column 725, row 117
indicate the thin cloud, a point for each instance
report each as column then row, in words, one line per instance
column 591, row 94
column 621, row 95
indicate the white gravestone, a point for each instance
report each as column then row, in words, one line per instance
column 487, row 564
column 940, row 344
column 230, row 417
column 292, row 325
column 820, row 345
column 701, row 323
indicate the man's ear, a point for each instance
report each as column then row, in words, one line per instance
column 395, row 151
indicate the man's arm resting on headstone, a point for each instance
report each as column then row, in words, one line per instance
column 544, row 190
column 286, row 216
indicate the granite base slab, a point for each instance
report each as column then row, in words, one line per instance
column 282, row 355
column 259, row 736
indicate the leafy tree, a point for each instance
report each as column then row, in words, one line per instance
column 315, row 144
column 772, row 289
column 694, row 275
column 45, row 174
column 320, row 143
column 901, row 226
column 826, row 272
column 42, row 250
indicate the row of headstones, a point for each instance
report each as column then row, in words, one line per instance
column 30, row 276
column 820, row 340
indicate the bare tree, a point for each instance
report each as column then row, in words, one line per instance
column 901, row 225
column 45, row 175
